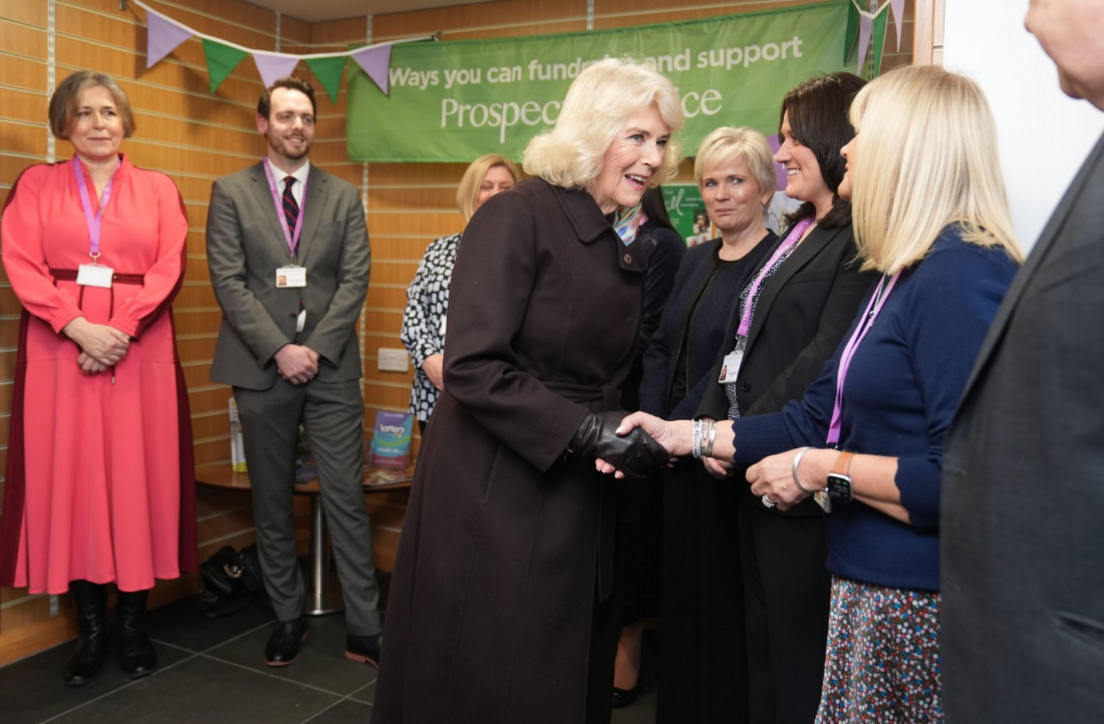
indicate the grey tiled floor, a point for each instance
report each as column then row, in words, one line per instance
column 213, row 672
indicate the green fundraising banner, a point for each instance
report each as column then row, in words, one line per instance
column 457, row 101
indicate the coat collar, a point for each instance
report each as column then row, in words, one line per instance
column 583, row 212
column 591, row 224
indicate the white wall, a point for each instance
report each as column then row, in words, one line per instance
column 1044, row 135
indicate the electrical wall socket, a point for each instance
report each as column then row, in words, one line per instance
column 393, row 360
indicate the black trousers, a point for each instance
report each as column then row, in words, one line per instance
column 787, row 590
column 703, row 676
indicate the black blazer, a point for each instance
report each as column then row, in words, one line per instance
column 804, row 311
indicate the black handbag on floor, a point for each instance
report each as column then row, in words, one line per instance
column 230, row 580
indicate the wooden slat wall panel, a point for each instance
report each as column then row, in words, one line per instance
column 196, row 136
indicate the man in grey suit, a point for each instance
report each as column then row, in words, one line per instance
column 1023, row 474
column 288, row 252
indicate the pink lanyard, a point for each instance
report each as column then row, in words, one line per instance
column 791, row 239
column 277, row 198
column 867, row 321
column 94, row 221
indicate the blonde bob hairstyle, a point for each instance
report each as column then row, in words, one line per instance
column 598, row 102
column 925, row 158
column 472, row 182
column 63, row 103
column 728, row 145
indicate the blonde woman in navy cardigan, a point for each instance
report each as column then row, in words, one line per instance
column 931, row 215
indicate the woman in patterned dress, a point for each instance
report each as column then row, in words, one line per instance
column 931, row 216
column 423, row 328
column 99, row 486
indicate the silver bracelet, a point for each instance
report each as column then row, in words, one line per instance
column 712, row 425
column 696, row 439
column 796, row 462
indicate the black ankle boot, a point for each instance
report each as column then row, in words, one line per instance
column 136, row 655
column 91, row 602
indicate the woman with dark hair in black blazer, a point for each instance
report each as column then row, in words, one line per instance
column 737, row 178
column 789, row 320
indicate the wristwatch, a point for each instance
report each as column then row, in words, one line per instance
column 840, row 491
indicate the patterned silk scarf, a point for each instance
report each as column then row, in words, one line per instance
column 628, row 221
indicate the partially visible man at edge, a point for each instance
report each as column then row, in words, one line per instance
column 1023, row 492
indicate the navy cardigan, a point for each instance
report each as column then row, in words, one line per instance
column 901, row 391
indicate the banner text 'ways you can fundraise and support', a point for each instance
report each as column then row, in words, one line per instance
column 457, row 101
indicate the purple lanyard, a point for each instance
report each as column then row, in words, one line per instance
column 872, row 309
column 95, row 221
column 791, row 239
column 277, row 198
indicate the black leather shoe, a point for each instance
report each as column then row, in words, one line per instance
column 364, row 649
column 283, row 645
column 87, row 660
column 136, row 655
column 624, row 697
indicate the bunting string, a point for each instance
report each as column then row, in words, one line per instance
column 164, row 35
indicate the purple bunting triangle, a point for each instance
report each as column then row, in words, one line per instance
column 272, row 67
column 376, row 62
column 866, row 26
column 162, row 36
column 898, row 8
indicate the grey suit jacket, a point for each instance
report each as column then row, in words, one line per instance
column 245, row 246
column 1023, row 489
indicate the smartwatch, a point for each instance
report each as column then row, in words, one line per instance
column 840, row 491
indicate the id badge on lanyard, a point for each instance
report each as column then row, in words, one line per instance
column 94, row 274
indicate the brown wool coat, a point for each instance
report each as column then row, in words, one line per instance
column 506, row 546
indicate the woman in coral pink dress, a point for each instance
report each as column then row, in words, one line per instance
column 99, row 484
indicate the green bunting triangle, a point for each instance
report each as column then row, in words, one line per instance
column 328, row 71
column 852, row 34
column 221, row 61
column 879, row 39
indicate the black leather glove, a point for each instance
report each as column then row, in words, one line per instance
column 637, row 454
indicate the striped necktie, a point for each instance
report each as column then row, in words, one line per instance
column 291, row 208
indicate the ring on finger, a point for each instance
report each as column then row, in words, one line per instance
column 767, row 501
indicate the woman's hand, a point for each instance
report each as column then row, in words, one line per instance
column 719, row 469
column 434, row 368
column 674, row 436
column 102, row 342
column 88, row 365
column 631, row 453
column 773, row 476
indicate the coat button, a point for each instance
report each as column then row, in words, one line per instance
column 627, row 259
column 745, row 386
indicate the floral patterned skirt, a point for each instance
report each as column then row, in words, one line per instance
column 882, row 665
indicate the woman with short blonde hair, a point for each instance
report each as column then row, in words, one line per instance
column 867, row 437
column 501, row 606
column 727, row 143
column 570, row 154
